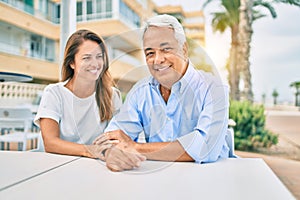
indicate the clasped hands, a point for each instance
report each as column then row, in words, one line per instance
column 118, row 151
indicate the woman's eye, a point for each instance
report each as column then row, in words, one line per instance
column 99, row 56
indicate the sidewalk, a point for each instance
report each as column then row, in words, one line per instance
column 288, row 171
column 284, row 158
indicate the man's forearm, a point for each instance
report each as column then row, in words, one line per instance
column 164, row 151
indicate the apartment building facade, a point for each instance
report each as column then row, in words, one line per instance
column 30, row 35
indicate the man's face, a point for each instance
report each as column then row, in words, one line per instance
column 166, row 60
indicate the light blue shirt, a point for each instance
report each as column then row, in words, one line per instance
column 196, row 114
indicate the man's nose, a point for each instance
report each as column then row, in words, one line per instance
column 159, row 57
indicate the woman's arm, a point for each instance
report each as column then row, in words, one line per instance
column 53, row 143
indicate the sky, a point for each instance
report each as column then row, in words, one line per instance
column 275, row 49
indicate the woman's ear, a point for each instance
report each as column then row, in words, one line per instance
column 72, row 65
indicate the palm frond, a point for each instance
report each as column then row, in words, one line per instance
column 266, row 5
column 220, row 21
column 257, row 15
column 206, row 3
column 291, row 2
column 232, row 7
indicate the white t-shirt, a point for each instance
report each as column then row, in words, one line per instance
column 78, row 118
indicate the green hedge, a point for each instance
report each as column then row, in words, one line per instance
column 250, row 132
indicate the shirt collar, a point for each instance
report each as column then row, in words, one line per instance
column 182, row 83
column 186, row 79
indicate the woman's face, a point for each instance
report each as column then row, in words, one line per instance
column 88, row 62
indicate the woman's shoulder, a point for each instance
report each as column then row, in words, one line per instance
column 55, row 86
column 56, row 89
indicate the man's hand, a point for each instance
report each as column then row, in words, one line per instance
column 117, row 135
column 122, row 157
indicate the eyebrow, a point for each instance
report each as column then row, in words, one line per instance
column 161, row 45
column 90, row 54
column 164, row 44
column 86, row 54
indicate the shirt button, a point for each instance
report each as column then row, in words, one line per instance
column 169, row 139
column 168, row 118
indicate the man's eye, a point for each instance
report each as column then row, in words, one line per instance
column 167, row 49
column 86, row 58
column 149, row 54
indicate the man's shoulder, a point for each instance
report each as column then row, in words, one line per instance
column 141, row 84
column 209, row 77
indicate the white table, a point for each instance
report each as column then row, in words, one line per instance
column 89, row 179
column 16, row 167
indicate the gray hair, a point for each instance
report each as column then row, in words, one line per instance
column 167, row 21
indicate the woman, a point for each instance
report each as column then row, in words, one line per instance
column 74, row 112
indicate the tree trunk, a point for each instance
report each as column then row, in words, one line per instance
column 244, row 40
column 297, row 100
column 232, row 65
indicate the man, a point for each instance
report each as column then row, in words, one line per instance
column 182, row 111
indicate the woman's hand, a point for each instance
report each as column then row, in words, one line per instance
column 98, row 150
column 123, row 155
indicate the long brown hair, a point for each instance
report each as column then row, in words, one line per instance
column 104, row 83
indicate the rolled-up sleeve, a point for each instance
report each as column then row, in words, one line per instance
column 127, row 119
column 205, row 143
column 50, row 106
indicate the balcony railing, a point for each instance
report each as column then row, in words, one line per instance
column 80, row 18
column 15, row 94
column 20, row 5
column 19, row 51
column 30, row 10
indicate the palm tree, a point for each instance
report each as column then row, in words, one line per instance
column 239, row 16
column 248, row 14
column 263, row 97
column 275, row 94
column 245, row 33
column 229, row 18
column 296, row 85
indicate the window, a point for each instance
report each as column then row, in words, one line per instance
column 89, row 10
column 129, row 14
column 109, row 6
column 57, row 12
column 35, row 46
column 50, row 50
column 99, row 6
column 79, row 9
column 89, row 7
